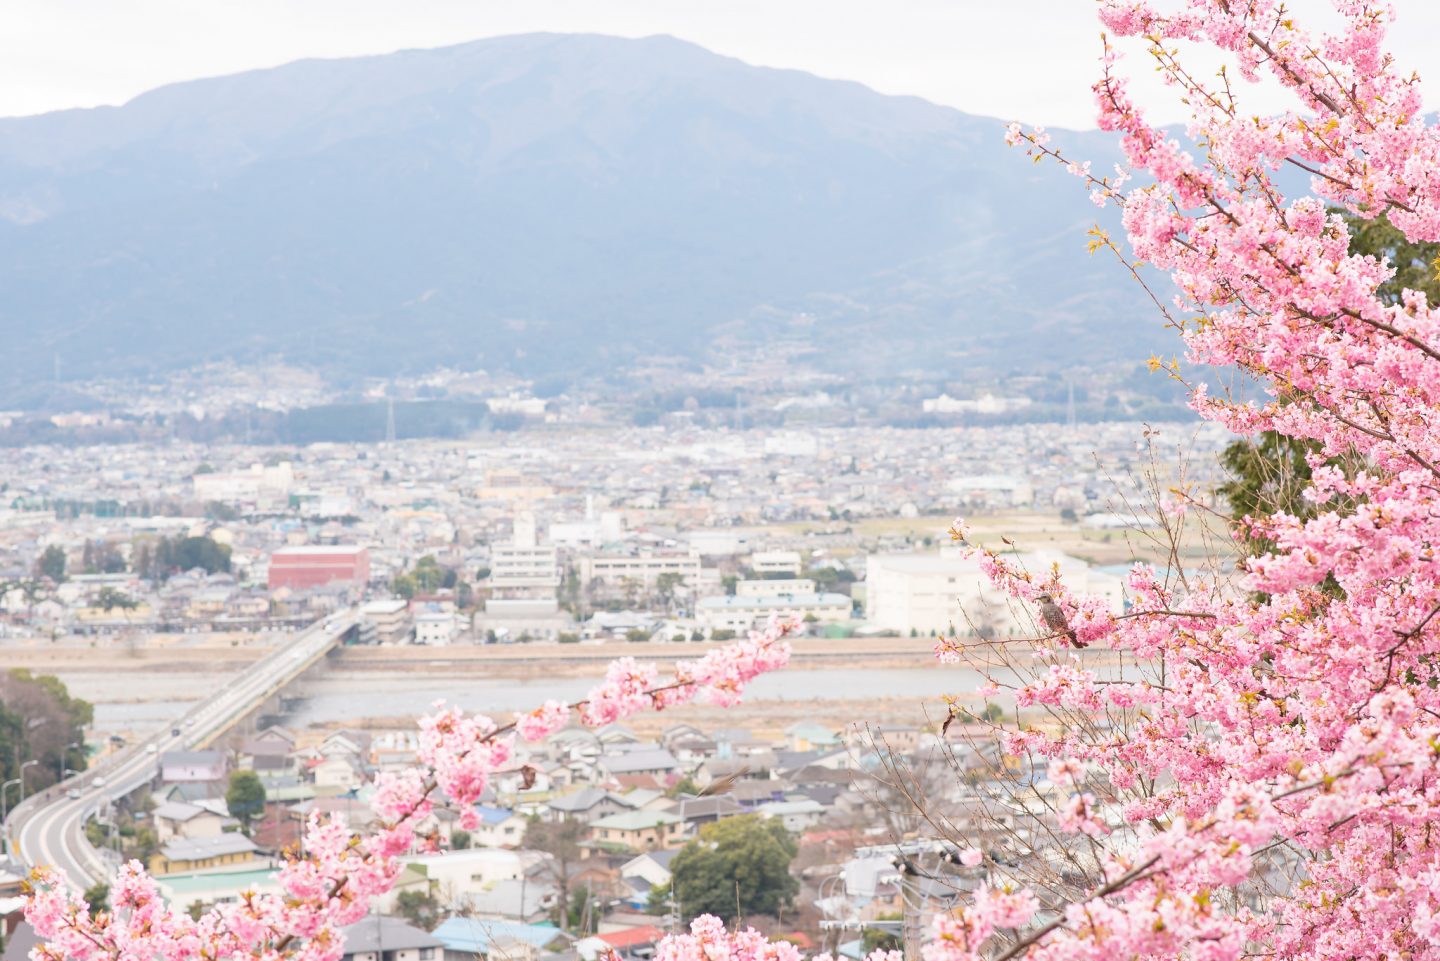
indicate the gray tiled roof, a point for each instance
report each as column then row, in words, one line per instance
column 198, row 849
column 378, row 933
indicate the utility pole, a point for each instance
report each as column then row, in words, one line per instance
column 912, row 924
column 390, row 420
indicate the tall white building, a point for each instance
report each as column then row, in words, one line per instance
column 945, row 592
column 524, row 574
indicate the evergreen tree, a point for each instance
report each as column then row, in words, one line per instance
column 740, row 863
column 1269, row 473
column 245, row 797
column 51, row 564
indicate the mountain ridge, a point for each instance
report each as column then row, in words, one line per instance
column 545, row 202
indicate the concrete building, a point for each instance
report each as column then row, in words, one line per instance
column 259, row 485
column 435, row 628
column 719, row 542
column 774, row 587
column 946, row 592
column 524, row 574
column 300, row 568
column 782, row 563
column 454, row 876
column 385, row 622
column 643, row 567
column 596, row 529
column 219, row 887
column 744, row 613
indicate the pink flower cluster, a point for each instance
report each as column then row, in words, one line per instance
column 1279, row 789
column 332, row 880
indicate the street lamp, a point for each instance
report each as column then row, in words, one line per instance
column 5, row 790
column 4, row 794
column 30, row 763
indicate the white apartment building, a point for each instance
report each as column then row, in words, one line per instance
column 945, row 592
column 740, row 614
column 607, row 527
column 719, row 541
column 384, row 622
column 786, row 563
column 257, row 485
column 435, row 628
column 774, row 587
column 644, row 567
column 524, row 574
column 455, row 875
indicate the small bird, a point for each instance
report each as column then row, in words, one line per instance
column 723, row 784
column 1054, row 619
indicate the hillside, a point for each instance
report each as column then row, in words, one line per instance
column 546, row 203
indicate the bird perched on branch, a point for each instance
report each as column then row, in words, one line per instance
column 1054, row 619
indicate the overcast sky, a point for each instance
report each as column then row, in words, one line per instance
column 1015, row 59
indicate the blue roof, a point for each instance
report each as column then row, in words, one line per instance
column 493, row 815
column 477, row 934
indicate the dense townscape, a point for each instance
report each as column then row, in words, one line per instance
column 657, row 535
column 656, row 532
column 1188, row 691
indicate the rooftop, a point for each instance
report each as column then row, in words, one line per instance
column 317, row 550
column 199, row 849
column 631, row 937
column 478, row 934
column 192, row 757
column 208, row 881
column 378, row 933
column 778, row 601
column 649, row 760
column 635, row 820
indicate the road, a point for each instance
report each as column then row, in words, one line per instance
column 49, row 828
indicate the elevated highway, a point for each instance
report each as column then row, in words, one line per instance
column 49, row 827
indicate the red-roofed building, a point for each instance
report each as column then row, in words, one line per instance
column 632, row 938
column 299, row 568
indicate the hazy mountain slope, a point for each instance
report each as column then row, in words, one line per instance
column 546, row 202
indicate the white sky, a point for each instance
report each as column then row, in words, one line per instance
column 1015, row 59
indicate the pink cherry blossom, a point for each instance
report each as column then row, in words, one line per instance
column 340, row 869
